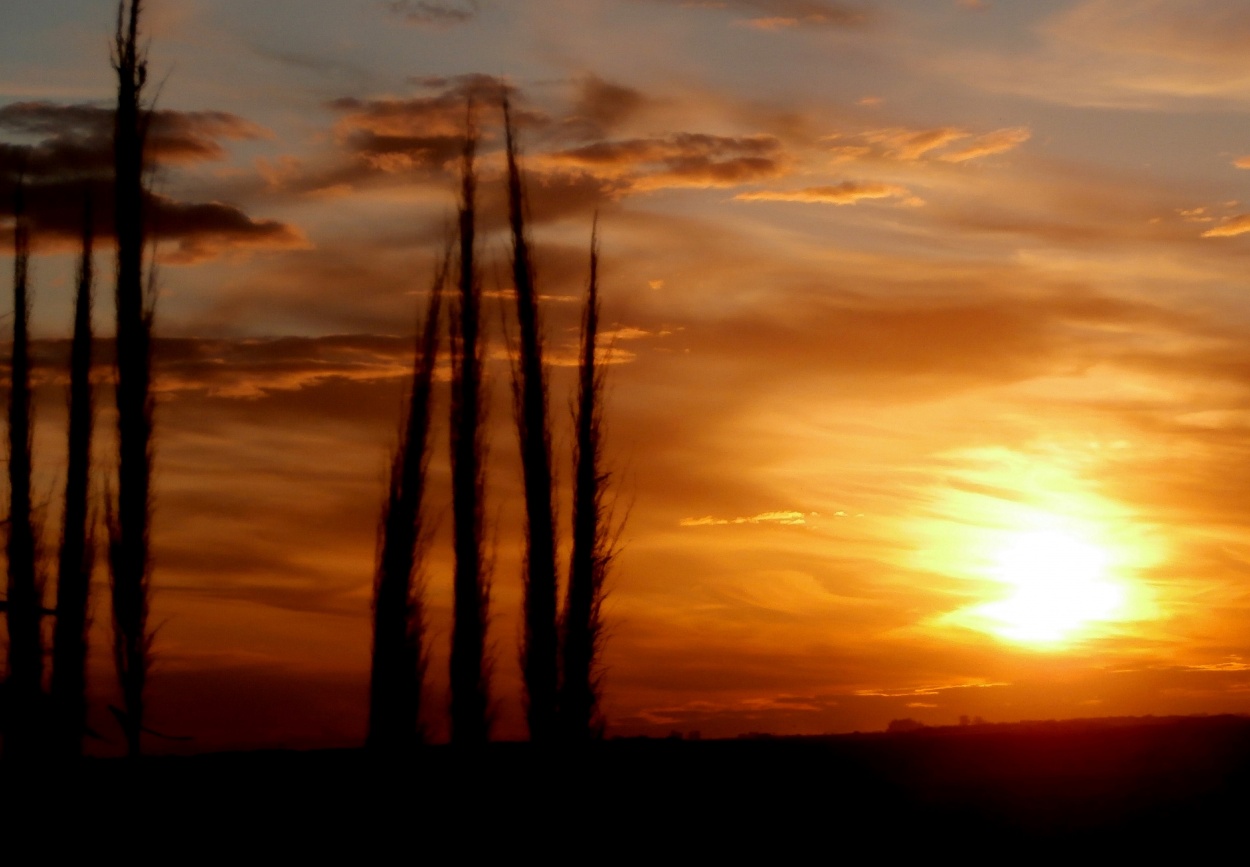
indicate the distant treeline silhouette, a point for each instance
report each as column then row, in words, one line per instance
column 559, row 650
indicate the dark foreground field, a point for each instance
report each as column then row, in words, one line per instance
column 1004, row 793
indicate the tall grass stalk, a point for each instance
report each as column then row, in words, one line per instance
column 77, row 551
column 470, row 664
column 128, row 518
column 540, row 641
column 398, row 670
column 593, row 541
column 23, row 729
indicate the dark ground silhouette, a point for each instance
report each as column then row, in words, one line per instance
column 1010, row 792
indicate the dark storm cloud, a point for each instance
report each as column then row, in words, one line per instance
column 601, row 107
column 420, row 140
column 420, row 134
column 255, row 367
column 778, row 14
column 199, row 230
column 434, row 13
column 572, row 162
column 68, row 157
column 204, row 230
column 248, row 367
column 681, row 159
column 78, row 139
column 442, row 112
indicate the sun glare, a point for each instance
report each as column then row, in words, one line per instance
column 1058, row 583
column 1053, row 562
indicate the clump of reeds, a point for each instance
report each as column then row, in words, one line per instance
column 470, row 665
column 23, row 729
column 129, row 517
column 398, row 670
column 540, row 640
column 593, row 538
column 77, row 550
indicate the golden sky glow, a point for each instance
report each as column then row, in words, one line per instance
column 932, row 381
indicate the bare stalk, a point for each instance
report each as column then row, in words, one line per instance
column 540, row 642
column 470, row 665
column 398, row 670
column 77, row 551
column 128, row 518
column 593, row 546
column 23, row 729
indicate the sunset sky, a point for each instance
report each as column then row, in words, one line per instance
column 932, row 393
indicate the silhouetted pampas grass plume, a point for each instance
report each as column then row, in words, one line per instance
column 398, row 670
column 77, row 550
column 129, row 516
column 23, row 729
column 539, row 647
column 593, row 539
column 470, row 665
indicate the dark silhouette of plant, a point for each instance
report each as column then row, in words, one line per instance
column 23, row 725
column 593, row 539
column 398, row 670
column 470, row 666
column 77, row 551
column 128, row 518
column 540, row 642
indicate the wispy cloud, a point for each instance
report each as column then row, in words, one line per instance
column 1234, row 663
column 845, row 193
column 1238, row 225
column 784, row 518
column 996, row 142
column 928, row 690
column 911, row 145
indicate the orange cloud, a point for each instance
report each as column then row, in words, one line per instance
column 996, row 142
column 845, row 193
column 784, row 518
column 912, row 145
column 771, row 23
column 1238, row 225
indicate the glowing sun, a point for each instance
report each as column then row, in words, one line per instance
column 1058, row 583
